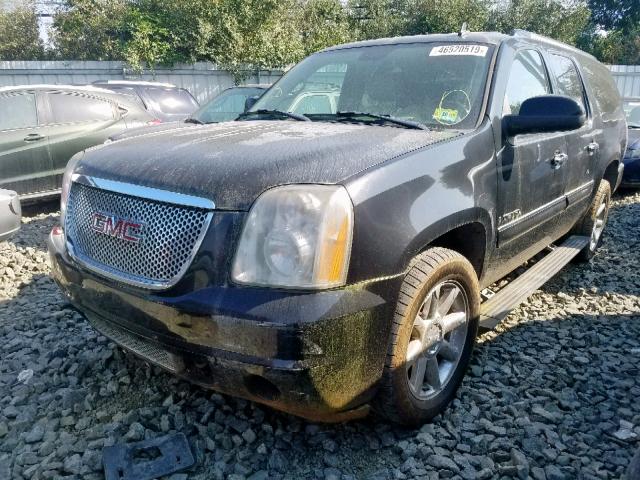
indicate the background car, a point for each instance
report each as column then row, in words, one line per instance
column 631, row 177
column 225, row 107
column 10, row 214
column 48, row 124
column 165, row 102
column 229, row 104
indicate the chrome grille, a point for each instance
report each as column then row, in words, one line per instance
column 169, row 237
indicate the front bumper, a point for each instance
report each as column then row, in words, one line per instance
column 10, row 214
column 631, row 176
column 314, row 354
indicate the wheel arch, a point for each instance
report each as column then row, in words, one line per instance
column 610, row 173
column 468, row 232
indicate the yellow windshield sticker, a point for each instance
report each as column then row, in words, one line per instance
column 445, row 115
column 459, row 49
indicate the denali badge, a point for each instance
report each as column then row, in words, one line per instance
column 121, row 228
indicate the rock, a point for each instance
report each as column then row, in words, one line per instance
column 73, row 464
column 249, row 436
column 135, row 433
column 35, row 434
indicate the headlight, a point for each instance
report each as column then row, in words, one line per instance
column 296, row 236
column 66, row 183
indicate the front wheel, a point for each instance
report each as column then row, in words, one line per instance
column 594, row 221
column 432, row 338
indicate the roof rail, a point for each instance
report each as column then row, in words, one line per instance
column 517, row 32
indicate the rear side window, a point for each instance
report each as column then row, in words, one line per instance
column 567, row 78
column 75, row 108
column 18, row 110
column 527, row 79
column 171, row 100
column 604, row 91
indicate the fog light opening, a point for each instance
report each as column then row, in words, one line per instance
column 261, row 387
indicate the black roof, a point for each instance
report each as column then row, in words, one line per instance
column 490, row 38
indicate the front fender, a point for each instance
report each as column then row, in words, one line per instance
column 403, row 205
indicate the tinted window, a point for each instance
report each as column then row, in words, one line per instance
column 434, row 84
column 567, row 78
column 527, row 79
column 17, row 110
column 632, row 111
column 76, row 108
column 171, row 100
column 603, row 88
column 226, row 106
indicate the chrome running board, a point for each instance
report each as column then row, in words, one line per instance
column 496, row 308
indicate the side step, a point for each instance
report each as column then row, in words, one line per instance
column 496, row 308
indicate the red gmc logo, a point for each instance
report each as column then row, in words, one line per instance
column 121, row 228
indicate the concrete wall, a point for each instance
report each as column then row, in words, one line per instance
column 203, row 80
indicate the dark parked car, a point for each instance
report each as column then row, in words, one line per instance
column 43, row 126
column 223, row 108
column 324, row 262
column 631, row 160
column 10, row 214
column 165, row 102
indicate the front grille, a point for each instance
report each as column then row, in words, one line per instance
column 138, row 345
column 168, row 239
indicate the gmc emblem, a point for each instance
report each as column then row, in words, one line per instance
column 121, row 228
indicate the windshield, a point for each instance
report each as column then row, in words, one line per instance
column 632, row 110
column 171, row 100
column 434, row 84
column 226, row 106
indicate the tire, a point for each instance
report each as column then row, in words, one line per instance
column 587, row 225
column 419, row 402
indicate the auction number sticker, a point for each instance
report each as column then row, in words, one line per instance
column 459, row 49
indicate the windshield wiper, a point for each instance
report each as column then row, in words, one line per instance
column 194, row 120
column 384, row 118
column 295, row 116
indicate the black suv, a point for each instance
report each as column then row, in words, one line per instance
column 165, row 102
column 329, row 260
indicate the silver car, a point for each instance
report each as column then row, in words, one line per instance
column 10, row 213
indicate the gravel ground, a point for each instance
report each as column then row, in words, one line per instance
column 553, row 393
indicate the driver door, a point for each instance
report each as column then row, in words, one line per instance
column 530, row 184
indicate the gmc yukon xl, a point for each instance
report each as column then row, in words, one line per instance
column 330, row 260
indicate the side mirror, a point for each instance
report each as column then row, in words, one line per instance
column 250, row 102
column 546, row 113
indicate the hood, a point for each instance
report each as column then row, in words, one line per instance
column 161, row 127
column 232, row 163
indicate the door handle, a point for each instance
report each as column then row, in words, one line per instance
column 559, row 159
column 593, row 148
column 33, row 137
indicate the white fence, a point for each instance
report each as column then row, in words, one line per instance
column 203, row 80
column 627, row 78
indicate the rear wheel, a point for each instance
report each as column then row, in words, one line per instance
column 593, row 223
column 433, row 335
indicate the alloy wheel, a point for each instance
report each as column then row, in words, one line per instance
column 437, row 339
column 598, row 224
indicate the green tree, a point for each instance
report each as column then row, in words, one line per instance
column 446, row 16
column 19, row 34
column 90, row 30
column 378, row 18
column 323, row 23
column 616, row 14
column 562, row 20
